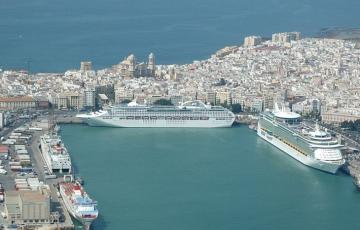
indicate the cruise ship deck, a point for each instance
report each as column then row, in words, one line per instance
column 306, row 143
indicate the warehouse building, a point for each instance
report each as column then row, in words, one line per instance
column 28, row 207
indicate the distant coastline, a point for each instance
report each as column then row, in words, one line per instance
column 340, row 33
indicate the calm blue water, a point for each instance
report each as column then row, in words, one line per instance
column 213, row 179
column 56, row 35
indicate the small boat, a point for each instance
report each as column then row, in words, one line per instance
column 80, row 180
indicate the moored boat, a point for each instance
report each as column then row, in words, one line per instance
column 77, row 202
column 308, row 144
column 194, row 114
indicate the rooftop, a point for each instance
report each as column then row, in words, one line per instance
column 287, row 115
column 17, row 99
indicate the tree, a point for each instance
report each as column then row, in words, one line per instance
column 222, row 81
column 163, row 101
column 357, row 125
column 351, row 125
column 236, row 108
column 345, row 124
column 125, row 101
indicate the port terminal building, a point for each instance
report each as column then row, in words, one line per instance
column 28, row 207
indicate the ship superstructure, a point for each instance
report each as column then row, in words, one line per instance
column 55, row 154
column 306, row 143
column 78, row 203
column 189, row 114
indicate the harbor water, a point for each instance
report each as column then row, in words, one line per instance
column 214, row 179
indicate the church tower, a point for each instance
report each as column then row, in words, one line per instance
column 151, row 65
column 131, row 65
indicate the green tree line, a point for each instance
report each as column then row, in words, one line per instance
column 351, row 125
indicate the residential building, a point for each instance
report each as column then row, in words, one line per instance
column 257, row 105
column 252, row 41
column 20, row 102
column 338, row 117
column 89, row 98
column 286, row 37
column 211, row 97
column 85, row 66
column 223, row 98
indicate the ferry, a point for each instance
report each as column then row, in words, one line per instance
column 308, row 144
column 77, row 201
column 55, row 154
column 188, row 114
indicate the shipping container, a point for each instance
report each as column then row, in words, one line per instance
column 15, row 168
column 26, row 169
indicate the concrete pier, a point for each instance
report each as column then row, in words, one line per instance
column 56, row 204
column 68, row 120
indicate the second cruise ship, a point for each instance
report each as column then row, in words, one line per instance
column 189, row 114
column 309, row 145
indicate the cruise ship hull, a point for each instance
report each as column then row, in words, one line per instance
column 210, row 123
column 306, row 160
column 85, row 222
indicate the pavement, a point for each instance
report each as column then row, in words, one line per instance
column 35, row 155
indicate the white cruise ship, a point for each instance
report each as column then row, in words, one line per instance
column 189, row 114
column 309, row 145
column 54, row 153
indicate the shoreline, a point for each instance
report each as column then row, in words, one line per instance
column 340, row 33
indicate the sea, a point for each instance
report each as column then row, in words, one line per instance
column 54, row 36
column 204, row 179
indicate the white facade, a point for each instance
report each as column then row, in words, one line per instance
column 252, row 41
column 2, row 120
column 89, row 97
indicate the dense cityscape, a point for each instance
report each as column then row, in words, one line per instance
column 312, row 73
column 318, row 78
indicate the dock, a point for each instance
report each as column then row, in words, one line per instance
column 56, row 204
column 68, row 120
